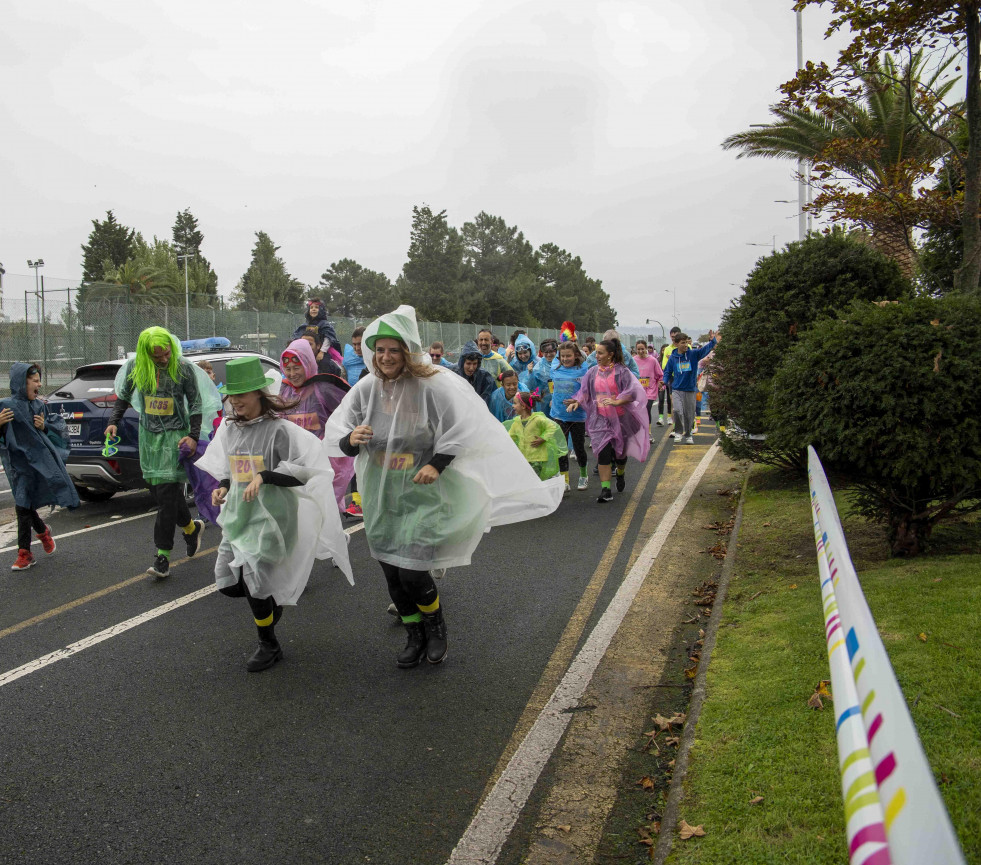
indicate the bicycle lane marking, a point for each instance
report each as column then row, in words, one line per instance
column 112, row 631
column 491, row 826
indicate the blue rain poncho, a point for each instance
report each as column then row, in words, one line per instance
column 520, row 366
column 354, row 364
column 34, row 459
column 540, row 379
column 501, row 406
column 566, row 381
column 413, row 418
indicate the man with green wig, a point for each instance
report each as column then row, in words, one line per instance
column 164, row 388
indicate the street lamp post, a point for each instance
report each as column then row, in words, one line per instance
column 37, row 264
column 674, row 304
column 187, row 296
column 655, row 321
column 772, row 244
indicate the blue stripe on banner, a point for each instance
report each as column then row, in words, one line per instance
column 851, row 710
column 825, row 582
column 851, row 643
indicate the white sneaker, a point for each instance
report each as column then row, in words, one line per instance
column 660, row 421
column 583, row 483
column 567, row 487
column 677, row 437
column 689, row 440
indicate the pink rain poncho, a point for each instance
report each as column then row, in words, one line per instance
column 625, row 426
column 488, row 483
column 319, row 395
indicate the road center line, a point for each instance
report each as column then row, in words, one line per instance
column 114, row 630
column 485, row 836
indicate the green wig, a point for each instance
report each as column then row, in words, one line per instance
column 144, row 373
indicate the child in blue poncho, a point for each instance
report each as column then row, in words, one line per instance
column 33, row 449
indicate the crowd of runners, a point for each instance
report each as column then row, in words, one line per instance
column 430, row 454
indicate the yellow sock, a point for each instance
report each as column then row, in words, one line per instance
column 566, row 476
column 429, row 608
column 188, row 528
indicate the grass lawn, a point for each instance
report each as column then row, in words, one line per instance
column 757, row 736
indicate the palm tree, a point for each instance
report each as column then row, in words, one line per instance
column 871, row 154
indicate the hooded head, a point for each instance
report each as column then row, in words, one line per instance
column 154, row 342
column 470, row 351
column 19, row 373
column 300, row 348
column 320, row 314
column 523, row 342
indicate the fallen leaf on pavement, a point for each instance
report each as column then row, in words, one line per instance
column 815, row 701
column 564, row 828
column 686, row 831
column 672, row 740
column 922, row 638
column 646, row 783
column 822, row 688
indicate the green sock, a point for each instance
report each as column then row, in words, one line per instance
column 164, row 553
column 415, row 617
column 605, row 484
column 583, row 472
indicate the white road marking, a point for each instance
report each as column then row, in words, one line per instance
column 115, row 630
column 485, row 836
column 10, row 532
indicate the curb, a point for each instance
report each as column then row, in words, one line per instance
column 669, row 819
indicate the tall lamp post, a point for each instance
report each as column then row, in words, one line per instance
column 655, row 321
column 674, row 304
column 187, row 296
column 37, row 264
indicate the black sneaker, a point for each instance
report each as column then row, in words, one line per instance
column 160, row 568
column 621, row 483
column 194, row 538
column 606, row 495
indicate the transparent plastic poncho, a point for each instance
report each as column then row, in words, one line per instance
column 276, row 537
column 488, row 483
column 624, row 426
column 165, row 416
column 544, row 457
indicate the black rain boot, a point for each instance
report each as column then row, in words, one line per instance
column 415, row 646
column 269, row 650
column 435, row 636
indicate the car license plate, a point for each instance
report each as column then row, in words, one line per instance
column 74, row 429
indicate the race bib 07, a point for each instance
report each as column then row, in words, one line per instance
column 307, row 420
column 244, row 467
column 159, row 405
column 395, row 462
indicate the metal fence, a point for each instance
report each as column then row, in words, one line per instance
column 66, row 334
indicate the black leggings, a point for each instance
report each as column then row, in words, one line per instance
column 172, row 511
column 650, row 403
column 606, row 456
column 26, row 518
column 664, row 394
column 577, row 430
column 262, row 608
column 409, row 590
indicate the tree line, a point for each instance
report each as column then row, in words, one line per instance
column 484, row 271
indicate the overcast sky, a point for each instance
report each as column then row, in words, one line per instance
column 592, row 125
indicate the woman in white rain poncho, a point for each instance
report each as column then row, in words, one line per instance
column 435, row 471
column 276, row 487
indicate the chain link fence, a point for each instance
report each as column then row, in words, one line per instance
column 61, row 334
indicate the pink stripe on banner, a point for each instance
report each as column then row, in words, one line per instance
column 833, row 618
column 835, row 628
column 880, row 857
column 866, row 835
column 834, row 571
column 875, row 727
column 885, row 768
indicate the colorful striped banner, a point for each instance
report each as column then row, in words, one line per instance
column 894, row 814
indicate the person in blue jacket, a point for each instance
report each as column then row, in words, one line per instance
column 354, row 365
column 469, row 368
column 33, row 450
column 437, row 354
column 681, row 374
column 501, row 402
column 540, row 376
column 566, row 378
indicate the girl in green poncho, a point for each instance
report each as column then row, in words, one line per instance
column 539, row 439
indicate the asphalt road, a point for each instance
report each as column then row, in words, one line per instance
column 154, row 745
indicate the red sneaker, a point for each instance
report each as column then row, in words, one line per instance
column 353, row 510
column 24, row 561
column 47, row 542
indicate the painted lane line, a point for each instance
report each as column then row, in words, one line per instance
column 102, row 636
column 115, row 630
column 485, row 836
column 83, row 531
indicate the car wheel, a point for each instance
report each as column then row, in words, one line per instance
column 91, row 495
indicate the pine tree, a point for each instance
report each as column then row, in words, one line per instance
column 188, row 238
column 431, row 277
column 110, row 245
column 267, row 285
